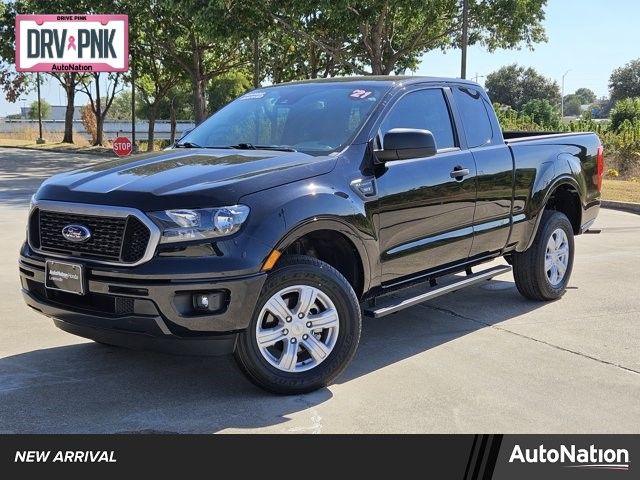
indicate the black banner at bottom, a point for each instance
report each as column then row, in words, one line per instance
column 466, row 457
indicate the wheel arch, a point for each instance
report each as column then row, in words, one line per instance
column 562, row 195
column 315, row 228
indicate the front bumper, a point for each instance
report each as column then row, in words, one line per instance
column 127, row 309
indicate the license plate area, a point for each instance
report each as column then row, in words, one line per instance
column 64, row 277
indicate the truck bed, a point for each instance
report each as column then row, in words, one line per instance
column 519, row 136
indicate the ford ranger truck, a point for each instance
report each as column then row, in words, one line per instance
column 275, row 225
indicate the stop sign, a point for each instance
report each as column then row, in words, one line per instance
column 122, row 146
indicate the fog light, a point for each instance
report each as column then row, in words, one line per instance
column 201, row 302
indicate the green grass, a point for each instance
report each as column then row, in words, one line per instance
column 621, row 190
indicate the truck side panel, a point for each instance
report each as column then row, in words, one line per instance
column 544, row 164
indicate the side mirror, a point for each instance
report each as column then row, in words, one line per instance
column 404, row 143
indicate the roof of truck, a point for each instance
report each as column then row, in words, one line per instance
column 385, row 79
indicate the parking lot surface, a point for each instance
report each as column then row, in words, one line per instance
column 483, row 361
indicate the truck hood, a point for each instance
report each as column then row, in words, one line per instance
column 183, row 178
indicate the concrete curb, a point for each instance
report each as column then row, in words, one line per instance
column 623, row 206
column 106, row 152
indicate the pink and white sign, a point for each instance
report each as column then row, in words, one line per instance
column 72, row 43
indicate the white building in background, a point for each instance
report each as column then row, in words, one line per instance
column 57, row 112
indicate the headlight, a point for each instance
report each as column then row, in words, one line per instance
column 198, row 224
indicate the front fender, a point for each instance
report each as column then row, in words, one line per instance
column 282, row 215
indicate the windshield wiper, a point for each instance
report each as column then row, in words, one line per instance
column 250, row 146
column 187, row 145
column 243, row 146
column 239, row 146
column 282, row 148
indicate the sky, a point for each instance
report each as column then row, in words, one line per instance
column 589, row 38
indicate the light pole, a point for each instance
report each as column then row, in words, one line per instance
column 562, row 95
column 465, row 38
column 39, row 140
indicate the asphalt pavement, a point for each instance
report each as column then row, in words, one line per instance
column 485, row 360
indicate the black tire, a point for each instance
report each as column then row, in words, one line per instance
column 529, row 270
column 303, row 270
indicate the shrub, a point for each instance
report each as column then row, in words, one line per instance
column 542, row 112
column 621, row 147
column 612, row 172
column 89, row 122
column 625, row 114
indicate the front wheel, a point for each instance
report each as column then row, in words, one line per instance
column 542, row 272
column 305, row 329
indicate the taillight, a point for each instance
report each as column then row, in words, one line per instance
column 599, row 168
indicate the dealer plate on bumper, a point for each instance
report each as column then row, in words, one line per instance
column 65, row 277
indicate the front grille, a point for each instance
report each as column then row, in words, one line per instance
column 136, row 238
column 118, row 239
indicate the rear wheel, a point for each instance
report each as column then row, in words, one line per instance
column 305, row 329
column 543, row 271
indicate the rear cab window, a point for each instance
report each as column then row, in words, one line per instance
column 472, row 107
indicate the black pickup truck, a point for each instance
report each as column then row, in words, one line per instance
column 270, row 229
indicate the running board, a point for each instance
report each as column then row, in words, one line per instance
column 393, row 305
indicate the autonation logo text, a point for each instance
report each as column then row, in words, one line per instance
column 574, row 457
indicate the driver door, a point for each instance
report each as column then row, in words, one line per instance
column 425, row 211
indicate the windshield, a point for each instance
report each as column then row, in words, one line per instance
column 315, row 118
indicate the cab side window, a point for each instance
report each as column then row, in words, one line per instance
column 473, row 110
column 424, row 109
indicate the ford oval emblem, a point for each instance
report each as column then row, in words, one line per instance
column 76, row 233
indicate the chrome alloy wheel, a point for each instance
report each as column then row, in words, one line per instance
column 556, row 257
column 297, row 328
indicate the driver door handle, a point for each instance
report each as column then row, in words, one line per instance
column 459, row 172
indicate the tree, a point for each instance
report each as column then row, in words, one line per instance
column 625, row 112
column 180, row 107
column 542, row 112
column 226, row 88
column 624, row 82
column 574, row 101
column 573, row 104
column 205, row 40
column 391, row 35
column 14, row 84
column 515, row 86
column 290, row 55
column 601, row 108
column 45, row 109
column 152, row 70
column 121, row 107
column 70, row 82
column 310, row 42
column 586, row 95
column 158, row 76
column 100, row 105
